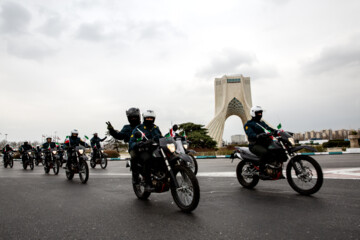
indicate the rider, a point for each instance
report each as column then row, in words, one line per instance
column 133, row 115
column 259, row 140
column 6, row 150
column 95, row 143
column 48, row 144
column 70, row 143
column 152, row 133
column 25, row 147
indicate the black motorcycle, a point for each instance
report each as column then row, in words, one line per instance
column 28, row 159
column 303, row 173
column 98, row 157
column 60, row 155
column 167, row 173
column 8, row 159
column 78, row 164
column 51, row 161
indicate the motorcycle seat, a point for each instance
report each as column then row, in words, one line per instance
column 247, row 154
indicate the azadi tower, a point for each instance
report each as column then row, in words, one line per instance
column 232, row 97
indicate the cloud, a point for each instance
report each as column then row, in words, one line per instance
column 155, row 30
column 30, row 47
column 93, row 32
column 231, row 61
column 14, row 17
column 53, row 26
column 335, row 57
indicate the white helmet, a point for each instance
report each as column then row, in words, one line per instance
column 149, row 113
column 48, row 137
column 255, row 109
column 75, row 131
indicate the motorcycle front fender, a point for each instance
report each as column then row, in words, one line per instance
column 181, row 156
column 191, row 151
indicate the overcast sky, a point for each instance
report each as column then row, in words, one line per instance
column 79, row 63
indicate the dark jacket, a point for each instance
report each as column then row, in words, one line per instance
column 46, row 145
column 95, row 141
column 7, row 149
column 24, row 148
column 152, row 132
column 124, row 134
column 74, row 142
column 252, row 129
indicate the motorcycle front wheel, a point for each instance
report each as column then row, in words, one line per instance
column 83, row 172
column 139, row 186
column 56, row 167
column 46, row 167
column 36, row 162
column 194, row 165
column 187, row 194
column 245, row 174
column 31, row 164
column 103, row 163
column 69, row 175
column 92, row 163
column 25, row 165
column 11, row 164
column 304, row 175
column 5, row 163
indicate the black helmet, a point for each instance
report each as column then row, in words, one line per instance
column 133, row 115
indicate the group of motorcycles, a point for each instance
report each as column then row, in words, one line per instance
column 54, row 158
column 173, row 167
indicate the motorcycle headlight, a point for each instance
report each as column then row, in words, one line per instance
column 171, row 147
column 102, row 151
column 54, row 152
column 292, row 141
column 29, row 153
column 81, row 151
column 186, row 146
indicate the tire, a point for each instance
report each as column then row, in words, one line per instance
column 83, row 171
column 36, row 162
column 311, row 167
column 139, row 187
column 246, row 181
column 46, row 167
column 69, row 175
column 194, row 168
column 11, row 164
column 56, row 167
column 92, row 164
column 103, row 163
column 31, row 164
column 25, row 165
column 187, row 196
column 5, row 164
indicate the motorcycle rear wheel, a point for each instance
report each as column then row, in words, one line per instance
column 83, row 171
column 187, row 195
column 56, row 167
column 139, row 187
column 246, row 181
column 304, row 181
column 103, row 163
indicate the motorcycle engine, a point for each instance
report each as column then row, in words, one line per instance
column 273, row 169
column 160, row 186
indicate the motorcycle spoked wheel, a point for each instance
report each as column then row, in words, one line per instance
column 244, row 174
column 83, row 172
column 11, row 163
column 310, row 178
column 36, row 162
column 5, row 164
column 139, row 186
column 46, row 167
column 31, row 164
column 103, row 162
column 92, row 163
column 187, row 196
column 194, row 165
column 56, row 167
column 25, row 165
column 69, row 175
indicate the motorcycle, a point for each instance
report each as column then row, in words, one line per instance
column 38, row 157
column 303, row 173
column 98, row 157
column 28, row 159
column 182, row 145
column 167, row 173
column 51, row 161
column 61, row 158
column 78, row 164
column 8, row 159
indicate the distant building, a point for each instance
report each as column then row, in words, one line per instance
column 238, row 139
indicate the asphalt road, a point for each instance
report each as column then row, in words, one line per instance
column 34, row 205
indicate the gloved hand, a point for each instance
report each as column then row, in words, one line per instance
column 109, row 126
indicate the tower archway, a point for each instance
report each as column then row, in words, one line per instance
column 232, row 97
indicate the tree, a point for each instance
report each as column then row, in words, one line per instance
column 197, row 135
